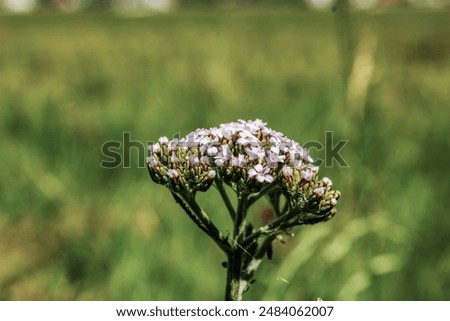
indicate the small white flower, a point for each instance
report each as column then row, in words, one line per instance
column 225, row 152
column 238, row 161
column 274, row 140
column 202, row 132
column 193, row 160
column 204, row 160
column 275, row 149
column 333, row 201
column 252, row 127
column 255, row 170
column 319, row 191
column 227, row 132
column 163, row 140
column 255, row 152
column 307, row 174
column 297, row 163
column 219, row 162
column 172, row 145
column 267, row 178
column 211, row 174
column 174, row 158
column 217, row 132
column 287, row 171
column 247, row 138
column 212, row 151
column 154, row 148
column 259, row 123
column 285, row 145
column 261, row 174
column 152, row 161
column 172, row 173
column 327, row 181
column 276, row 158
column 191, row 141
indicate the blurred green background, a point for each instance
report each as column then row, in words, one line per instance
column 71, row 230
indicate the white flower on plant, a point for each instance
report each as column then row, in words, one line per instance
column 224, row 153
column 193, row 160
column 327, row 181
column 287, row 171
column 211, row 174
column 238, row 161
column 307, row 174
column 253, row 161
column 261, row 174
column 163, row 140
column 191, row 141
column 212, row 151
column 275, row 149
column 172, row 173
column 219, row 162
column 217, row 132
column 154, row 148
column 255, row 152
column 247, row 138
column 227, row 132
column 320, row 191
column 254, row 126
column 173, row 145
column 152, row 161
column 275, row 157
column 174, row 158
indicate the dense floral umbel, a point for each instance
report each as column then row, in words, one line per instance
column 255, row 161
column 245, row 155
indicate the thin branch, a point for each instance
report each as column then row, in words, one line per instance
column 202, row 220
column 274, row 227
column 262, row 249
column 226, row 199
column 266, row 189
column 188, row 211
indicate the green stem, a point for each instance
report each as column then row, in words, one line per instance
column 280, row 223
column 266, row 189
column 235, row 283
column 226, row 199
column 196, row 213
column 188, row 211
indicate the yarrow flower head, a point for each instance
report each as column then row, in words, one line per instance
column 255, row 161
column 248, row 156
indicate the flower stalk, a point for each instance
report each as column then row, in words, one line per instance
column 255, row 162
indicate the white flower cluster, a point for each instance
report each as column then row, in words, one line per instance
column 246, row 153
column 247, row 145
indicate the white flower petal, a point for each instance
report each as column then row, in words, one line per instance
column 212, row 174
column 163, row 140
column 287, row 171
column 212, row 151
column 172, row 173
column 327, row 181
column 319, row 191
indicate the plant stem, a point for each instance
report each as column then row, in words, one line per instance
column 202, row 220
column 254, row 197
column 226, row 199
column 235, row 283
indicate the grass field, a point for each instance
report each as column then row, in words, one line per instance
column 71, row 230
